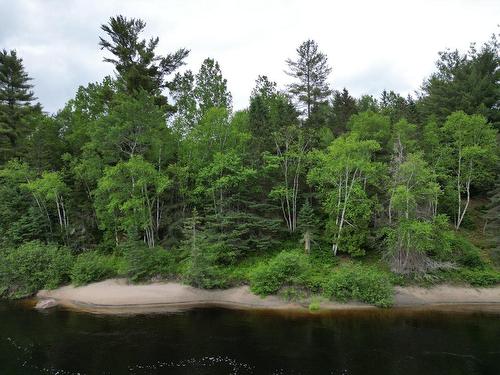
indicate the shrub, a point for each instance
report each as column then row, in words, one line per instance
column 314, row 306
column 286, row 268
column 480, row 277
column 33, row 266
column 365, row 284
column 92, row 266
column 467, row 254
column 144, row 263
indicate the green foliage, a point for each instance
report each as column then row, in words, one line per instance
column 144, row 264
column 354, row 282
column 480, row 277
column 314, row 306
column 135, row 59
column 117, row 171
column 285, row 269
column 92, row 266
column 33, row 266
column 467, row 82
column 211, row 88
column 370, row 125
column 126, row 198
column 310, row 71
column 341, row 175
column 466, row 254
column 205, row 266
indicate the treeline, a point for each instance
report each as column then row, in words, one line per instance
column 158, row 157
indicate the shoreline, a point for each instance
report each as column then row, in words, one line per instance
column 116, row 296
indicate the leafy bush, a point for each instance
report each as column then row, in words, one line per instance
column 144, row 263
column 467, row 254
column 314, row 306
column 365, row 284
column 480, row 277
column 286, row 268
column 33, row 266
column 92, row 266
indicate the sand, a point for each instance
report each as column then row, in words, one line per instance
column 118, row 296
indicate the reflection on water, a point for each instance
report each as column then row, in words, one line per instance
column 218, row 341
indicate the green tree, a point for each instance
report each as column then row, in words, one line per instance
column 310, row 70
column 127, row 200
column 467, row 82
column 16, row 104
column 471, row 151
column 371, row 125
column 211, row 87
column 308, row 225
column 135, row 59
column 182, row 91
column 341, row 174
column 269, row 112
column 289, row 161
column 51, row 190
column 343, row 107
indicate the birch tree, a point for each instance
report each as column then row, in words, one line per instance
column 471, row 149
column 289, row 160
column 50, row 189
column 341, row 174
column 126, row 200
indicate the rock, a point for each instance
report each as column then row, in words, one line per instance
column 47, row 303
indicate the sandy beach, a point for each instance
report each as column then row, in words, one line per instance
column 118, row 296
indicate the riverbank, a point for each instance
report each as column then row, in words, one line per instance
column 117, row 296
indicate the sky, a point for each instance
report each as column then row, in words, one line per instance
column 371, row 45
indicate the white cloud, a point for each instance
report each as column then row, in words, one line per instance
column 371, row 45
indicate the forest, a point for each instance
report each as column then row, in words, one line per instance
column 151, row 175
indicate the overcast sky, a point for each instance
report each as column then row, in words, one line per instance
column 371, row 45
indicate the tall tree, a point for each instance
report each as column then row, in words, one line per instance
column 467, row 82
column 471, row 151
column 343, row 107
column 182, row 90
column 211, row 87
column 135, row 59
column 341, row 174
column 288, row 160
column 16, row 103
column 310, row 70
column 269, row 112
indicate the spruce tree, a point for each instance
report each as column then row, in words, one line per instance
column 16, row 103
column 308, row 225
column 343, row 107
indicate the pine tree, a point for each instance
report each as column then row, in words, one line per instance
column 135, row 59
column 16, row 103
column 311, row 71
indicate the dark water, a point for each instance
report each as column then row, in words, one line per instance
column 217, row 341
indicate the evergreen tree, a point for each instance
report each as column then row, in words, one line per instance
column 135, row 59
column 16, row 104
column 310, row 70
column 467, row 82
column 343, row 107
column 308, row 225
column 269, row 112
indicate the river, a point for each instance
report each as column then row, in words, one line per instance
column 219, row 341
